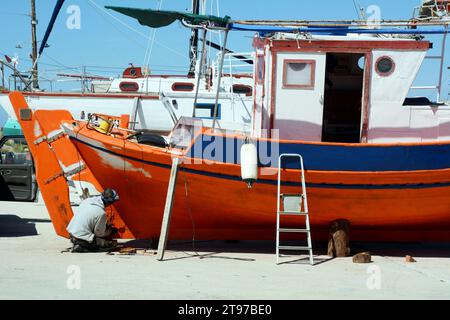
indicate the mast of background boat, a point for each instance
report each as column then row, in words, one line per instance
column 219, row 77
column 193, row 49
column 202, row 62
column 34, row 44
column 202, row 58
column 200, row 70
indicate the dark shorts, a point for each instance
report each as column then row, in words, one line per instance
column 87, row 246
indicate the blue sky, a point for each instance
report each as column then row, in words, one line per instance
column 106, row 46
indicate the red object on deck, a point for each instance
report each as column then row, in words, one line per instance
column 133, row 72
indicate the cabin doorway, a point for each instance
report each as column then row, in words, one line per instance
column 344, row 83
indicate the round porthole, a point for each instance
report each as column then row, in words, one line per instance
column 385, row 66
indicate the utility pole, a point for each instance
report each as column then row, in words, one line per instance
column 34, row 43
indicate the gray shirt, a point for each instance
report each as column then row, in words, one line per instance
column 89, row 220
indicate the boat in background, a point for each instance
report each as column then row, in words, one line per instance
column 334, row 94
column 153, row 101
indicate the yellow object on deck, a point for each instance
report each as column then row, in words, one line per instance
column 104, row 127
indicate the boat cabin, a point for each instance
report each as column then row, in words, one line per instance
column 343, row 89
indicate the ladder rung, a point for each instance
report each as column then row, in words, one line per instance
column 294, row 230
column 287, row 195
column 294, row 248
column 293, row 213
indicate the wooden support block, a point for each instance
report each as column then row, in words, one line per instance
column 364, row 257
column 338, row 244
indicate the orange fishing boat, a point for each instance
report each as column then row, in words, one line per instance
column 372, row 155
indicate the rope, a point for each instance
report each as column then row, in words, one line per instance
column 189, row 212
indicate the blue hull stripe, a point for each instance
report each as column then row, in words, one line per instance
column 333, row 158
column 274, row 182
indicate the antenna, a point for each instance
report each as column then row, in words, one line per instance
column 359, row 10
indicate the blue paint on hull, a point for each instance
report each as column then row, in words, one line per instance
column 274, row 182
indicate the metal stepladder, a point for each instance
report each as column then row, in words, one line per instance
column 295, row 202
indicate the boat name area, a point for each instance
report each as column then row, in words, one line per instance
column 225, row 147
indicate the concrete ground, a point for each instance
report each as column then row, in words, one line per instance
column 33, row 267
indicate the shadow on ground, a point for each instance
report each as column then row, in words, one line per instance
column 14, row 226
column 5, row 192
column 226, row 249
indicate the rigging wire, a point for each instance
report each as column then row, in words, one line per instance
column 148, row 53
column 100, row 11
column 134, row 30
column 59, row 63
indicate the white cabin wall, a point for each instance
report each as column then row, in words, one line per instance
column 299, row 112
column 389, row 120
column 5, row 103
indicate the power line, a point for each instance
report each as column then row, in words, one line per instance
column 14, row 14
column 57, row 62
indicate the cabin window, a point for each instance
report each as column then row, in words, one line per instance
column 241, row 89
column 129, row 86
column 299, row 74
column 183, row 86
column 385, row 66
column 206, row 110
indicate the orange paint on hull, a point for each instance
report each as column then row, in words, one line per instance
column 220, row 208
column 212, row 203
column 53, row 156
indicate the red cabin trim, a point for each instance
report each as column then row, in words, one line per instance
column 129, row 86
column 259, row 80
column 353, row 46
column 183, row 84
column 366, row 97
column 312, row 82
column 443, row 5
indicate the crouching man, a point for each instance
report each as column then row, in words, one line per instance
column 89, row 226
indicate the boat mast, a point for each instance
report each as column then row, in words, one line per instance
column 193, row 48
column 34, row 44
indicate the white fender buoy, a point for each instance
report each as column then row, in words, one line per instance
column 249, row 164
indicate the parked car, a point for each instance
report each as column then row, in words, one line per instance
column 17, row 173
